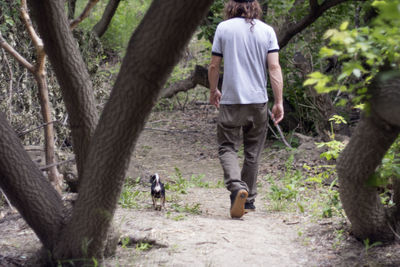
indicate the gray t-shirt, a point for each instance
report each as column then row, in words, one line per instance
column 244, row 49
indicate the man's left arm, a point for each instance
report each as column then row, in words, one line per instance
column 276, row 80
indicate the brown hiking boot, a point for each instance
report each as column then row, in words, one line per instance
column 238, row 198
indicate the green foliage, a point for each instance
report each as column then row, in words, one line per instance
column 334, row 147
column 179, row 183
column 187, row 208
column 131, row 196
column 289, row 188
column 124, row 22
column 9, row 15
column 143, row 246
column 368, row 246
column 389, row 169
column 215, row 16
column 329, row 203
column 363, row 51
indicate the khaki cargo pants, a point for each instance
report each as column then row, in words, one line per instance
column 251, row 119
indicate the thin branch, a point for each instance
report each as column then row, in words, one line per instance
column 36, row 128
column 56, row 164
column 16, row 55
column 85, row 14
column 37, row 41
column 7, row 200
column 280, row 132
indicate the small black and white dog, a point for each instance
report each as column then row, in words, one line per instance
column 157, row 191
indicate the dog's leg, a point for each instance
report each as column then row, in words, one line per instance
column 154, row 201
column 163, row 202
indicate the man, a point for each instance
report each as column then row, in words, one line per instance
column 249, row 48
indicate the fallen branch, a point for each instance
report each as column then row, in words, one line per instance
column 43, row 168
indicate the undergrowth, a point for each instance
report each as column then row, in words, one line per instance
column 310, row 190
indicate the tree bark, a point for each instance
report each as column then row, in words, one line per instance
column 198, row 77
column 34, row 197
column 71, row 72
column 152, row 52
column 373, row 136
column 101, row 27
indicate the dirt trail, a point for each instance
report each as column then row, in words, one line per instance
column 195, row 228
column 213, row 239
column 210, row 238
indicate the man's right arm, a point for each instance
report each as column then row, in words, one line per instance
column 213, row 77
column 276, row 80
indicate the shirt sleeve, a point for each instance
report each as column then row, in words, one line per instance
column 217, row 45
column 273, row 43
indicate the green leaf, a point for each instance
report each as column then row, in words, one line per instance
column 344, row 26
column 328, row 52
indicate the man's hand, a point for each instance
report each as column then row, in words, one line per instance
column 215, row 97
column 277, row 113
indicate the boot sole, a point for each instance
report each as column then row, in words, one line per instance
column 237, row 210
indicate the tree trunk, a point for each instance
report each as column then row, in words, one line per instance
column 373, row 136
column 101, row 27
column 152, row 52
column 71, row 72
column 34, row 197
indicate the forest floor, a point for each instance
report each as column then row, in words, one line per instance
column 297, row 222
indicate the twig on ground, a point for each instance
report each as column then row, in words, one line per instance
column 394, row 232
column 290, row 223
column 205, row 242
column 7, row 200
column 227, row 240
column 169, row 131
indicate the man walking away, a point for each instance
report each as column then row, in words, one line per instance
column 250, row 49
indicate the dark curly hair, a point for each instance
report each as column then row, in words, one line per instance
column 247, row 10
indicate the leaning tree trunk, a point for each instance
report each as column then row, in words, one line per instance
column 71, row 72
column 153, row 50
column 375, row 133
column 34, row 197
column 101, row 27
